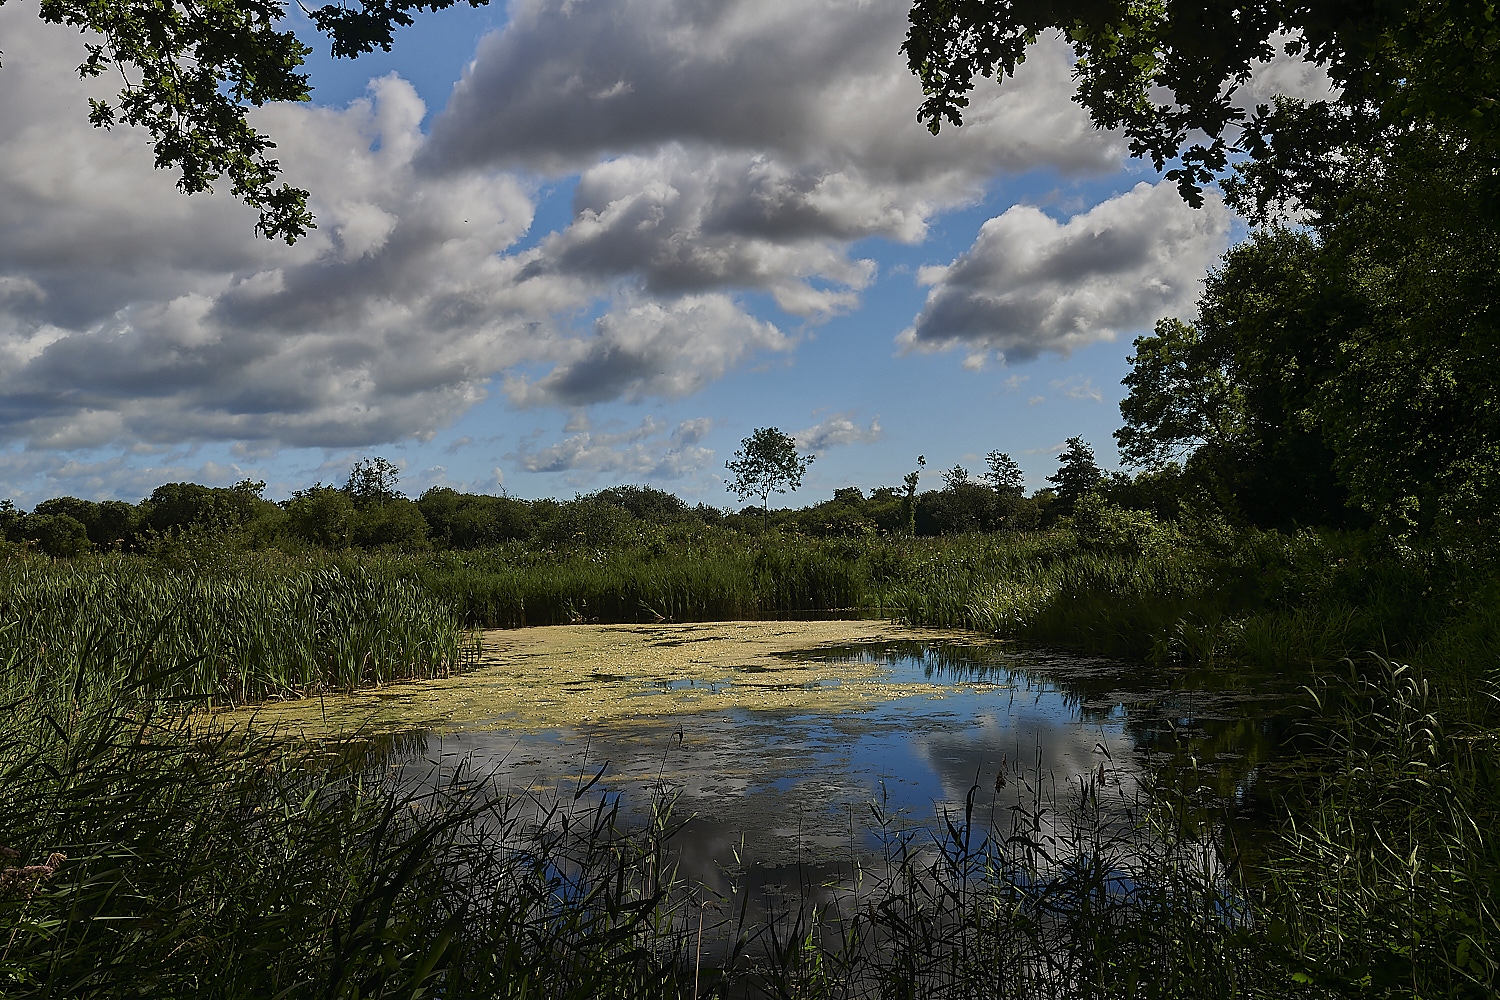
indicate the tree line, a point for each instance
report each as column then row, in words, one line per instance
column 368, row 511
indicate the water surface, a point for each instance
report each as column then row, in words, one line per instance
column 790, row 744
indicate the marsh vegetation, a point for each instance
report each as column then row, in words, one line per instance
column 155, row 854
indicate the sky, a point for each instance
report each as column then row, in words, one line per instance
column 569, row 244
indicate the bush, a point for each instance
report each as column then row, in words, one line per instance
column 58, row 535
column 469, row 521
column 1104, row 526
column 322, row 515
column 394, row 523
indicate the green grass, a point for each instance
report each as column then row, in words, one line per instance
column 145, row 856
column 249, row 631
column 273, row 625
column 149, row 856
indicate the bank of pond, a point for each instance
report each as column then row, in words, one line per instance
column 1258, row 764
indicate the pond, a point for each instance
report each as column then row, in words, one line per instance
column 792, row 745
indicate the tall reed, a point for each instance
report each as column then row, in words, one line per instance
column 254, row 630
column 1387, row 883
column 144, row 856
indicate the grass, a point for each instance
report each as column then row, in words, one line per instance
column 187, row 862
column 148, row 856
column 257, row 630
column 266, row 625
column 1388, row 881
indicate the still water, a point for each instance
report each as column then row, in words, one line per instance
column 798, row 754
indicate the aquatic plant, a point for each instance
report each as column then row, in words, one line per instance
column 249, row 631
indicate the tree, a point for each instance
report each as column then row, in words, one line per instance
column 383, row 517
column 109, row 523
column 766, row 463
column 372, row 480
column 1167, row 73
column 1233, row 394
column 961, row 506
column 1352, row 366
column 322, row 515
column 1004, row 475
column 646, row 503
column 1184, row 395
column 467, row 521
column 10, row 521
column 189, row 505
column 1076, row 474
column 193, row 70
column 955, row 477
column 1367, row 355
column 910, row 480
column 58, row 535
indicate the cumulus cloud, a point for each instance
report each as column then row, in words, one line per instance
column 33, row 476
column 649, row 451
column 838, row 429
column 1289, row 76
column 441, row 476
column 129, row 313
column 652, row 348
column 722, row 148
column 566, row 83
column 1031, row 284
column 132, row 313
column 744, row 144
column 685, row 223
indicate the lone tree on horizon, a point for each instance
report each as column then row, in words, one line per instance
column 766, row 463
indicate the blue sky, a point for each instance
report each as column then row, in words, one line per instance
column 565, row 245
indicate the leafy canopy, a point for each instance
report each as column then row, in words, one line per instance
column 766, row 463
column 1077, row 473
column 1004, row 475
column 373, row 480
column 1352, row 366
column 192, row 69
column 1167, row 72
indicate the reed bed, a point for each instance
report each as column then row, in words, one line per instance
column 268, row 624
column 174, row 860
column 249, row 631
column 721, row 578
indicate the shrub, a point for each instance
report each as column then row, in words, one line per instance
column 58, row 535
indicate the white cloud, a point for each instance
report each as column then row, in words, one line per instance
column 723, row 148
column 1074, row 387
column 744, row 144
column 33, row 476
column 134, row 314
column 683, row 223
column 650, row 451
column 568, row 82
column 1031, row 284
column 690, row 432
column 1290, row 76
column 838, row 429
column 666, row 349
